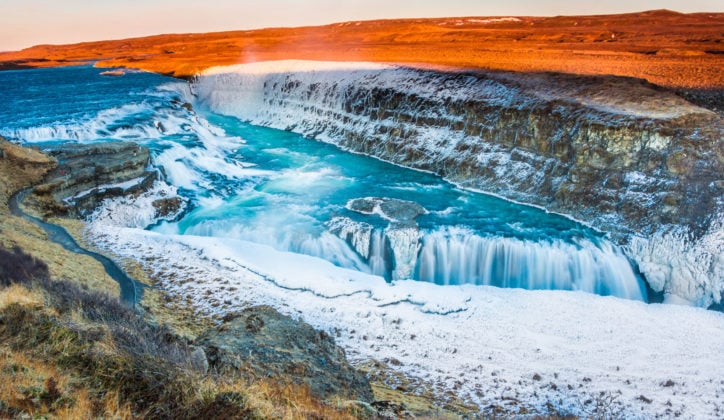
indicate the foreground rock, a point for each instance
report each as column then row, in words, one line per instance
column 618, row 153
column 264, row 343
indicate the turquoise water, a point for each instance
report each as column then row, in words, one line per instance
column 296, row 194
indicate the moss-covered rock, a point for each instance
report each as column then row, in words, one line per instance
column 261, row 342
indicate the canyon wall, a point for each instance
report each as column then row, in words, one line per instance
column 617, row 153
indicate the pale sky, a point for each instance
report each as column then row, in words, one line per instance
column 24, row 23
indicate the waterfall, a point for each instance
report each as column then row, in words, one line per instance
column 484, row 131
column 457, row 256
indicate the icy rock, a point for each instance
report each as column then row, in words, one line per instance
column 89, row 173
column 392, row 252
column 399, row 211
column 357, row 234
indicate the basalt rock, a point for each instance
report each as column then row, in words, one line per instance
column 399, row 212
column 261, row 342
column 89, row 173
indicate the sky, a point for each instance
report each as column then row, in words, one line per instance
column 24, row 23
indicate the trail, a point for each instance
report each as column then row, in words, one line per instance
column 131, row 290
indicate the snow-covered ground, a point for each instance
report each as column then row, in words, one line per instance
column 574, row 350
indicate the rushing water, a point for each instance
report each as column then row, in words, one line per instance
column 296, row 194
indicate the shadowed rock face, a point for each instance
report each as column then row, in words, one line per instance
column 636, row 169
column 261, row 342
column 399, row 212
column 89, row 173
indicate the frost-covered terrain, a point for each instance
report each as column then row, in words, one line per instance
column 631, row 160
column 577, row 351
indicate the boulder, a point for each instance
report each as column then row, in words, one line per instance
column 261, row 342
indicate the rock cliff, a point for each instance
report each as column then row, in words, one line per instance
column 88, row 173
column 618, row 153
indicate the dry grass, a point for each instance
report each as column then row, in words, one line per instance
column 665, row 48
column 271, row 400
column 21, row 167
column 41, row 390
column 21, row 295
column 62, row 264
column 77, row 353
column 417, row 396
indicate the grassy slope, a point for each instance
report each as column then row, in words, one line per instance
column 68, row 349
column 21, row 168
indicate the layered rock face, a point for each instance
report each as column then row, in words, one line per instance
column 622, row 155
column 89, row 173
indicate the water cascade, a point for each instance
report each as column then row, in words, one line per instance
column 282, row 190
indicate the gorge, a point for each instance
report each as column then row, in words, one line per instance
column 482, row 213
column 631, row 160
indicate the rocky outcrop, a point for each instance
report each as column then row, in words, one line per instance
column 21, row 167
column 625, row 156
column 261, row 342
column 89, row 173
column 390, row 252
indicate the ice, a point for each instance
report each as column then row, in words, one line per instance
column 357, row 234
column 101, row 188
column 685, row 270
column 405, row 244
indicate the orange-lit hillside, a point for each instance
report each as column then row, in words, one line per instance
column 666, row 48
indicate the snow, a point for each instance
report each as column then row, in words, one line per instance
column 494, row 20
column 485, row 343
column 102, row 188
column 138, row 212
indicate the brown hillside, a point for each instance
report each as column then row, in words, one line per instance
column 667, row 48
